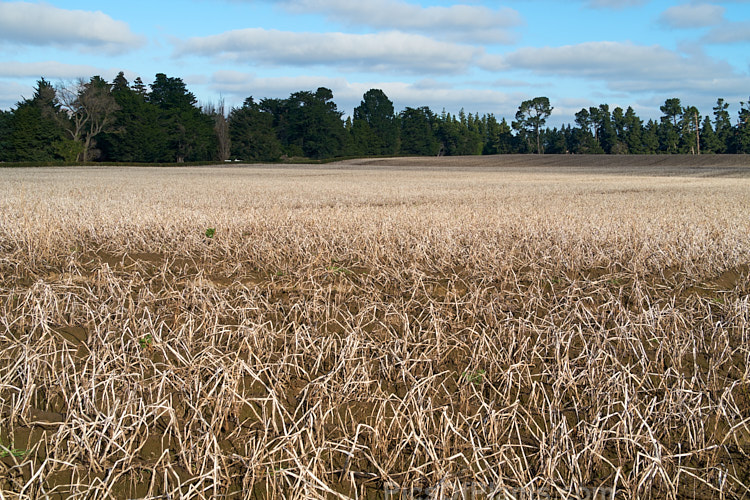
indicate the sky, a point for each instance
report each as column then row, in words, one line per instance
column 482, row 56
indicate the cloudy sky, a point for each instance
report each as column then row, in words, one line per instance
column 484, row 56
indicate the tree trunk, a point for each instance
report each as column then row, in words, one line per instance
column 697, row 135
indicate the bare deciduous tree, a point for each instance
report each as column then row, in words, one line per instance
column 221, row 127
column 90, row 109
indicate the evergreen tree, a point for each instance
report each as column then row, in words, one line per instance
column 417, row 133
column 374, row 125
column 710, row 142
column 473, row 136
column 607, row 133
column 690, row 130
column 36, row 134
column 672, row 110
column 137, row 135
column 743, row 129
column 448, row 134
column 531, row 117
column 596, row 117
column 669, row 131
column 723, row 125
column 189, row 133
column 312, row 125
column 650, row 135
column 555, row 141
column 583, row 140
column 252, row 134
column 633, row 132
column 6, row 130
column 498, row 136
column 619, row 124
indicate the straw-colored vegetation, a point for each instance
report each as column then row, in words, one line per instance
column 365, row 333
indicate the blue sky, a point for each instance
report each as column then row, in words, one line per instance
column 483, row 56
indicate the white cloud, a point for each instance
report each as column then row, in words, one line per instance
column 625, row 67
column 380, row 52
column 44, row 25
column 705, row 15
column 729, row 32
column 47, row 69
column 12, row 92
column 693, row 15
column 456, row 22
column 615, row 4
column 348, row 94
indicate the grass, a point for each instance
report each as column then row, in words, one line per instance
column 609, row 313
column 146, row 341
column 12, row 452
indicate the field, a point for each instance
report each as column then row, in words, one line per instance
column 408, row 328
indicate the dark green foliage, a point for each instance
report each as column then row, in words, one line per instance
column 374, row 129
column 633, row 132
column 460, row 136
column 584, row 138
column 710, row 142
column 170, row 93
column 307, row 124
column 672, row 110
column 689, row 123
column 189, row 132
column 163, row 124
column 418, row 132
column 743, row 129
column 650, row 136
column 314, row 124
column 722, row 126
column 251, row 131
column 36, row 132
column 498, row 136
column 556, row 141
column 138, row 135
column 606, row 132
column 6, row 130
column 531, row 117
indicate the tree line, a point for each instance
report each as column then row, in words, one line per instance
column 119, row 121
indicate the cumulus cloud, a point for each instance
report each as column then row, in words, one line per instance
column 691, row 15
column 625, row 67
column 379, row 52
column 46, row 25
column 456, row 22
column 706, row 15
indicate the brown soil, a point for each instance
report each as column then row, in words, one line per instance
column 673, row 165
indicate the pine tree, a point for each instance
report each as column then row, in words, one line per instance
column 417, row 133
column 374, row 125
column 743, row 128
column 252, row 134
column 723, row 126
column 36, row 134
column 710, row 142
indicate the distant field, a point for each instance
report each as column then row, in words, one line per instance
column 391, row 328
column 658, row 165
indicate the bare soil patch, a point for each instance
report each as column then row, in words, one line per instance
column 652, row 165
